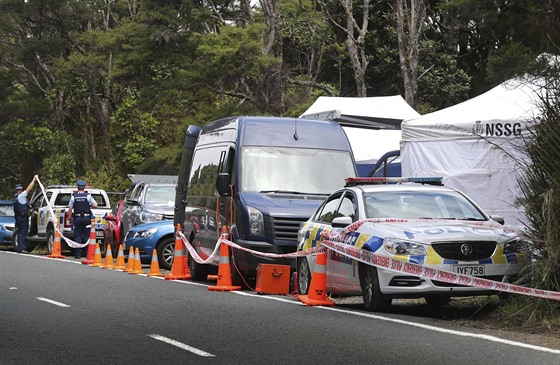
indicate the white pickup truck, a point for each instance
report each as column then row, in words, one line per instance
column 41, row 227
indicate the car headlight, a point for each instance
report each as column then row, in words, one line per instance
column 150, row 217
column 256, row 221
column 403, row 247
column 516, row 245
column 144, row 233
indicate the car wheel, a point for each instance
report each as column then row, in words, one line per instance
column 165, row 251
column 374, row 301
column 437, row 301
column 199, row 272
column 303, row 276
column 50, row 240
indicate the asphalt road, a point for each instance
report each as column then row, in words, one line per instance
column 61, row 312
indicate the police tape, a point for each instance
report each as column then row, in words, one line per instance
column 395, row 265
column 56, row 222
column 213, row 256
column 387, row 263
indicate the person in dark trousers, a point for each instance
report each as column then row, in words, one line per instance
column 21, row 213
column 81, row 202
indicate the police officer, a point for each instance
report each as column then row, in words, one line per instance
column 81, row 202
column 21, row 213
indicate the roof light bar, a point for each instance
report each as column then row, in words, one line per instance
column 353, row 181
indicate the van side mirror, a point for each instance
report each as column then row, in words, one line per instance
column 222, row 184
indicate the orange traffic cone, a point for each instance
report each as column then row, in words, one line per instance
column 108, row 259
column 318, row 286
column 137, row 266
column 154, row 267
column 130, row 263
column 57, row 248
column 120, row 260
column 179, row 260
column 97, row 261
column 224, row 269
column 91, row 246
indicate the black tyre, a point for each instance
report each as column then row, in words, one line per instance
column 437, row 301
column 199, row 272
column 303, row 276
column 165, row 250
column 236, row 278
column 374, row 301
column 50, row 240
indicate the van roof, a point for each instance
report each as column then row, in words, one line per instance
column 282, row 131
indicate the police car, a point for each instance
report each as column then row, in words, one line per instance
column 415, row 220
column 41, row 227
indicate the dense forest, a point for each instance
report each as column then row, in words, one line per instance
column 101, row 88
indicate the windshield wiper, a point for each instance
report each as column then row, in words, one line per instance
column 281, row 191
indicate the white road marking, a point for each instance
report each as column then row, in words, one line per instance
column 414, row 324
column 181, row 346
column 444, row 330
column 54, row 302
column 373, row 316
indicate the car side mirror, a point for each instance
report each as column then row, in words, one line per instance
column 498, row 219
column 341, row 222
column 132, row 201
column 222, row 184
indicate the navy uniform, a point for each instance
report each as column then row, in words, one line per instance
column 21, row 214
column 81, row 202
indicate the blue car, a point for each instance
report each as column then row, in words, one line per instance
column 146, row 237
column 7, row 222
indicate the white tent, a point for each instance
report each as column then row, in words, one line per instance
column 372, row 124
column 476, row 146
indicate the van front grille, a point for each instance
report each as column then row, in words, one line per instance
column 286, row 229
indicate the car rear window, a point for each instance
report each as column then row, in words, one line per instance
column 64, row 198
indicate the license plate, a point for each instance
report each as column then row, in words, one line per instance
column 470, row 270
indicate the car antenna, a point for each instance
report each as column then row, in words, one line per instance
column 296, row 137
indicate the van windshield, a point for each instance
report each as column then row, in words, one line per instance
column 294, row 170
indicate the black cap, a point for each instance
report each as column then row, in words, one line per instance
column 81, row 183
column 18, row 187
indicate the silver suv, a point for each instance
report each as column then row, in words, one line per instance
column 150, row 198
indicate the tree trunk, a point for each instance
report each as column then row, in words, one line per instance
column 355, row 41
column 410, row 17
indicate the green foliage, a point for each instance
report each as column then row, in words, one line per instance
column 520, row 311
column 541, row 189
column 134, row 134
column 511, row 60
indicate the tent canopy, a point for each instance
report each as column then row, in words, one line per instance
column 380, row 112
column 475, row 146
column 486, row 115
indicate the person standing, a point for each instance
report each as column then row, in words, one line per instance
column 81, row 202
column 21, row 213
